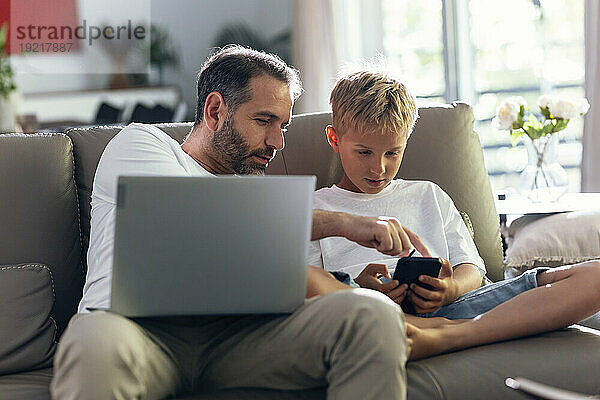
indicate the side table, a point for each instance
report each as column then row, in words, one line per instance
column 511, row 207
column 520, row 205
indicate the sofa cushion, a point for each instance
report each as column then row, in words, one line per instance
column 27, row 329
column 260, row 394
column 26, row 385
column 39, row 218
column 552, row 240
column 443, row 148
column 468, row 223
column 555, row 358
column 89, row 144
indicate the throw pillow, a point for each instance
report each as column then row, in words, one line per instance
column 552, row 240
column 468, row 223
column 27, row 329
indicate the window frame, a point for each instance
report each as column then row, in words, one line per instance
column 458, row 72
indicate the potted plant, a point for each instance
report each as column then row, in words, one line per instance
column 242, row 34
column 162, row 53
column 7, row 87
column 543, row 179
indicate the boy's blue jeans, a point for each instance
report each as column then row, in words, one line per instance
column 481, row 300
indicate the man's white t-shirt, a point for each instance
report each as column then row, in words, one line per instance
column 421, row 206
column 137, row 150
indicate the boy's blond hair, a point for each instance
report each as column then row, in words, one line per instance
column 372, row 102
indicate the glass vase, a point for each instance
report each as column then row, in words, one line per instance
column 543, row 179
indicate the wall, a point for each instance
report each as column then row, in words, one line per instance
column 193, row 24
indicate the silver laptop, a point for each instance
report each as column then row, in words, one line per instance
column 202, row 245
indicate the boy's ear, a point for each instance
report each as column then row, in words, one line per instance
column 332, row 138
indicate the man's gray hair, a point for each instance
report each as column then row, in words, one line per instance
column 229, row 70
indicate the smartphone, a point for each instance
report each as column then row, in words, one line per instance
column 408, row 270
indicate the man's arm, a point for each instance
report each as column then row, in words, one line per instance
column 326, row 224
column 384, row 234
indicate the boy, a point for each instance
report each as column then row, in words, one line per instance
column 373, row 116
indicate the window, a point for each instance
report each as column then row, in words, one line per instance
column 482, row 51
column 412, row 44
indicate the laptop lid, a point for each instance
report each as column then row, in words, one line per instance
column 207, row 245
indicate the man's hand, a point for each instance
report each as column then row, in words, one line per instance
column 445, row 290
column 319, row 281
column 385, row 234
column 368, row 278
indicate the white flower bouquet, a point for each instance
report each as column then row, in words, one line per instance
column 556, row 111
column 543, row 179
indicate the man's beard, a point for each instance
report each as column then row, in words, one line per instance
column 234, row 150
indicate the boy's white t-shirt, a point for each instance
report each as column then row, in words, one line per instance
column 421, row 206
column 137, row 150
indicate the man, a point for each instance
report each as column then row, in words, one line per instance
column 350, row 340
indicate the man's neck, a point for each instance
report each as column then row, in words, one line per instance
column 200, row 149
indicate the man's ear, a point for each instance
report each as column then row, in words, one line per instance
column 332, row 138
column 215, row 111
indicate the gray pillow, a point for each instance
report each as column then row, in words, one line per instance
column 27, row 329
column 552, row 240
column 468, row 223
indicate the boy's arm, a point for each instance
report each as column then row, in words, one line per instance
column 449, row 286
column 319, row 281
column 467, row 277
column 384, row 234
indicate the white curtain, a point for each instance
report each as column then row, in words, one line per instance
column 328, row 34
column 590, row 164
column 313, row 52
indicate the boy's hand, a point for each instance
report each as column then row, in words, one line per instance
column 445, row 290
column 368, row 278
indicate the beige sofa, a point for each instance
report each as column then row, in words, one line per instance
column 45, row 187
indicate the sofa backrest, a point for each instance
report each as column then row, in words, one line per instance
column 39, row 219
column 88, row 145
column 443, row 148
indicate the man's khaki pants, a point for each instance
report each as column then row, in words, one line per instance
column 351, row 341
